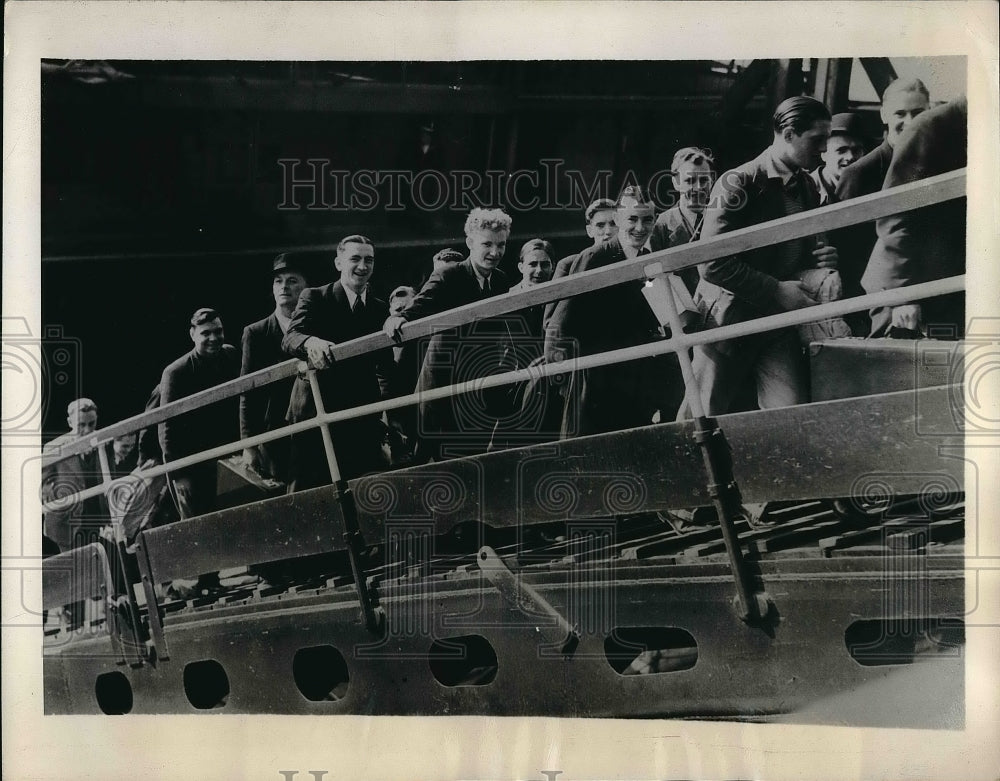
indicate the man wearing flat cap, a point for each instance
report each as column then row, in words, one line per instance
column 264, row 409
column 211, row 362
column 624, row 395
column 445, row 257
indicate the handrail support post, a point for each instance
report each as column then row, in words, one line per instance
column 754, row 605
column 371, row 614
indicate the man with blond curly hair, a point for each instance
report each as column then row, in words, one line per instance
column 461, row 425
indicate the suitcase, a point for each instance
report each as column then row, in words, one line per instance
column 239, row 484
column 842, row 368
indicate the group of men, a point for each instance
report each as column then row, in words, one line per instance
column 814, row 159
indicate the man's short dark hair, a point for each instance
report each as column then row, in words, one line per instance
column 601, row 204
column 541, row 245
column 690, row 154
column 355, row 238
column 799, row 113
column 204, row 315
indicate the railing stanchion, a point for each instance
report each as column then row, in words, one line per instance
column 373, row 618
column 137, row 646
column 722, row 487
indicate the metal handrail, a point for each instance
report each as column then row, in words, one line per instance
column 894, row 297
column 925, row 192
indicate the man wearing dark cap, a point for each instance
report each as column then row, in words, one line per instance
column 846, row 145
column 763, row 281
column 211, row 362
column 624, row 395
column 264, row 409
column 445, row 257
column 325, row 316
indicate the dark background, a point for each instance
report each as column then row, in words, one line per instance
column 160, row 181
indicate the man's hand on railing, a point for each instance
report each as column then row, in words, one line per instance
column 320, row 352
column 826, row 256
column 793, row 295
column 907, row 317
column 393, row 327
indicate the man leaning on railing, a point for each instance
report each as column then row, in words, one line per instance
column 764, row 280
column 210, row 362
column 925, row 244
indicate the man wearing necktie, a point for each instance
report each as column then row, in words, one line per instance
column 692, row 174
column 324, row 317
column 463, row 424
column 624, row 395
column 763, row 281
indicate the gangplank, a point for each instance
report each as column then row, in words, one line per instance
column 542, row 580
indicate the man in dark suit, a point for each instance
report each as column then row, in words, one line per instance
column 463, row 424
column 74, row 524
column 623, row 395
column 265, row 409
column 902, row 102
column 601, row 227
column 62, row 477
column 211, row 362
column 324, row 316
column 929, row 243
column 763, row 281
column 692, row 173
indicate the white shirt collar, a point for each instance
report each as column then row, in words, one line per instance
column 631, row 252
column 352, row 296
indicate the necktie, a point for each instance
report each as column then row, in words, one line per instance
column 487, row 290
column 794, row 252
column 359, row 306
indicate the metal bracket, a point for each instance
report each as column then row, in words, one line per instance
column 520, row 596
column 374, row 615
column 152, row 607
column 754, row 605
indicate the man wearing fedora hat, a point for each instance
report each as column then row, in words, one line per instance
column 845, row 146
column 264, row 409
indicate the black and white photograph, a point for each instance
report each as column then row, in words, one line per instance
column 644, row 392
